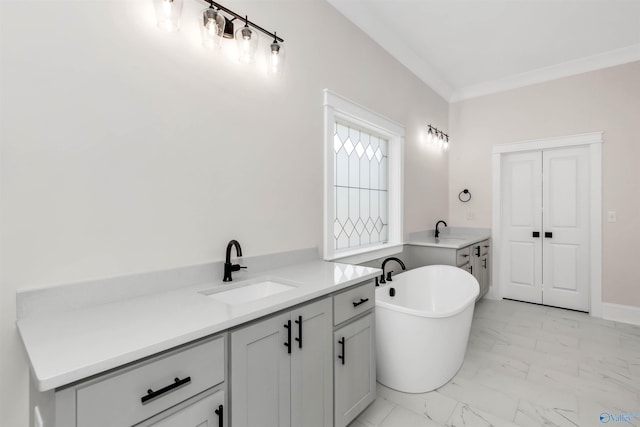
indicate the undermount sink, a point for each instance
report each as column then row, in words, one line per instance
column 248, row 292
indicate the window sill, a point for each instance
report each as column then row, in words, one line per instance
column 358, row 256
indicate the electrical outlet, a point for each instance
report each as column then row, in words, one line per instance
column 611, row 216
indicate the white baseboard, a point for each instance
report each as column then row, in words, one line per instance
column 621, row 313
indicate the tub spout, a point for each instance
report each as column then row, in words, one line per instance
column 383, row 280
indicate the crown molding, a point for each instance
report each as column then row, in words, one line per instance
column 565, row 69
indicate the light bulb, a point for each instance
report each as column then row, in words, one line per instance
column 168, row 14
column 212, row 28
column 166, row 7
column 276, row 58
column 247, row 40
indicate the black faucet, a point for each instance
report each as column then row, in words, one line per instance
column 228, row 267
column 384, row 263
column 437, row 224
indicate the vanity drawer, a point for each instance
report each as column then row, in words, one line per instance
column 123, row 398
column 462, row 256
column 353, row 302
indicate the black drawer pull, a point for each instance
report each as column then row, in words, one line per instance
column 288, row 343
column 153, row 394
column 299, row 339
column 548, row 234
column 362, row 301
column 535, row 234
column 465, row 255
column 484, row 263
column 478, row 250
column 219, row 414
column 342, row 356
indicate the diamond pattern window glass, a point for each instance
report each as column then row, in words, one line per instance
column 360, row 187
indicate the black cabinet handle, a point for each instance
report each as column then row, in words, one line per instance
column 465, row 255
column 478, row 250
column 535, row 234
column 484, row 263
column 548, row 235
column 299, row 339
column 342, row 356
column 154, row 394
column 288, row 343
column 471, row 269
column 219, row 414
column 362, row 301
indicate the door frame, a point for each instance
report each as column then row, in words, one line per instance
column 594, row 140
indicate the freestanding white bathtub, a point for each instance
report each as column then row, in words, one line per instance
column 422, row 331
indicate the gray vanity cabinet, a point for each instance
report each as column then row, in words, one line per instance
column 479, row 265
column 281, row 369
column 354, row 352
column 474, row 258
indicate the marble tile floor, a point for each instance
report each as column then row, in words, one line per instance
column 528, row 365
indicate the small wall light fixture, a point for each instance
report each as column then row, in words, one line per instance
column 215, row 26
column 437, row 138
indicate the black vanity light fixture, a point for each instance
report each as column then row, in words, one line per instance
column 216, row 24
column 438, row 138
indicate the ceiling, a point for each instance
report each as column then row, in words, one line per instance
column 468, row 48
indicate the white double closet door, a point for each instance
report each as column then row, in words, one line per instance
column 545, row 228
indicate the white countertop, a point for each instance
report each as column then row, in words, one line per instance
column 450, row 239
column 69, row 346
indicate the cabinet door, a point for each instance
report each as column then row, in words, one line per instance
column 260, row 374
column 354, row 369
column 312, row 365
column 205, row 412
column 485, row 278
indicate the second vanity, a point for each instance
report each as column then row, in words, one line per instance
column 469, row 249
column 301, row 354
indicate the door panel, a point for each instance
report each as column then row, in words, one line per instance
column 566, row 216
column 312, row 366
column 522, row 269
column 563, row 273
column 260, row 374
column 522, row 198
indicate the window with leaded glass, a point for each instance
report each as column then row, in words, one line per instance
column 360, row 187
column 363, row 180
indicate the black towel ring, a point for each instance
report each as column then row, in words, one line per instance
column 465, row 191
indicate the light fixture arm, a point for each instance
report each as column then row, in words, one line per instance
column 247, row 22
